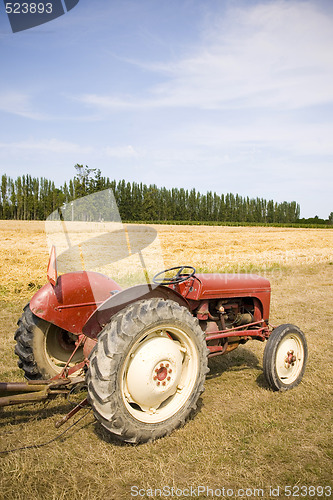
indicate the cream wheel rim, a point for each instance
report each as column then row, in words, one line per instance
column 289, row 359
column 159, row 374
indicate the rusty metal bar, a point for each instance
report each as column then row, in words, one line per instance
column 243, row 333
column 216, row 350
column 231, row 333
column 34, row 390
column 76, row 368
column 69, row 415
column 237, row 332
column 22, row 386
column 36, row 393
column 65, row 371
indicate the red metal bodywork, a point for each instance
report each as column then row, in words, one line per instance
column 84, row 302
column 112, row 305
column 69, row 303
column 226, row 286
column 190, row 294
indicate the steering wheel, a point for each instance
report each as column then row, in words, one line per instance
column 160, row 279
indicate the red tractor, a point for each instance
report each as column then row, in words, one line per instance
column 144, row 350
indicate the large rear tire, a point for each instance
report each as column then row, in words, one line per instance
column 147, row 370
column 43, row 348
column 285, row 357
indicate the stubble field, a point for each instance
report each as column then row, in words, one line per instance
column 245, row 438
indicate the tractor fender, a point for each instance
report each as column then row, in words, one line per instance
column 69, row 302
column 102, row 315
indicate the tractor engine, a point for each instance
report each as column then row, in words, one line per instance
column 234, row 313
column 223, row 314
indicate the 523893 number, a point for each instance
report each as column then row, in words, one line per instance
column 29, row 8
column 308, row 491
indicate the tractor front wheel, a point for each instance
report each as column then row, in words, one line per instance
column 147, row 370
column 285, row 357
column 43, row 348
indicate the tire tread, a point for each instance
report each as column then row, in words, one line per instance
column 105, row 358
column 270, row 355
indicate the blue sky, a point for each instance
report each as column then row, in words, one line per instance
column 222, row 95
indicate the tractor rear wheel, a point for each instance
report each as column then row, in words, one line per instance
column 285, row 357
column 43, row 348
column 147, row 370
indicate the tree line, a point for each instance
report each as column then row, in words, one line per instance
column 31, row 198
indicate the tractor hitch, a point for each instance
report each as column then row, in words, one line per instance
column 35, row 390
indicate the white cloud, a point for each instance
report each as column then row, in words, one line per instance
column 120, row 152
column 48, row 145
column 300, row 139
column 109, row 102
column 19, row 104
column 274, row 55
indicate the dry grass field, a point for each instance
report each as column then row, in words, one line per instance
column 245, row 438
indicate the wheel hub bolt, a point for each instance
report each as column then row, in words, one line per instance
column 290, row 359
column 161, row 374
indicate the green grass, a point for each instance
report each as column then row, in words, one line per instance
column 233, row 224
column 244, row 268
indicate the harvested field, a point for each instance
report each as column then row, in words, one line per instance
column 245, row 437
column 233, row 249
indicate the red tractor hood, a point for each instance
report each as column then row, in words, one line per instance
column 226, row 286
column 218, row 285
